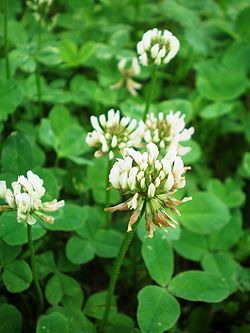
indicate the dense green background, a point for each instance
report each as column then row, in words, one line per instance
column 192, row 280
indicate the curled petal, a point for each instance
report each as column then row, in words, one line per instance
column 45, row 218
column 53, row 205
column 133, row 219
column 121, row 207
column 150, row 227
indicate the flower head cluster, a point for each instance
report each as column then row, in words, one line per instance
column 167, row 132
column 39, row 8
column 128, row 69
column 25, row 198
column 157, row 46
column 113, row 133
column 150, row 182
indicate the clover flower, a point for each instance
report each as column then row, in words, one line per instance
column 25, row 198
column 128, row 69
column 113, row 133
column 39, row 8
column 167, row 132
column 157, row 46
column 151, row 182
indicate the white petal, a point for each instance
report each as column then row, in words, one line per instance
column 151, row 190
column 140, row 48
column 114, row 176
column 153, row 151
column 95, row 124
column 3, row 189
column 122, row 64
column 102, row 120
column 143, row 59
column 155, row 50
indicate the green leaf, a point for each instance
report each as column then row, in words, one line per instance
column 63, row 289
column 46, row 135
column 17, row 154
column 216, row 110
column 107, row 243
column 49, row 55
column 96, row 181
column 92, row 222
column 86, row 51
column 79, row 251
column 14, row 233
column 74, row 57
column 50, row 183
column 77, row 321
column 17, row 276
column 8, row 253
column 191, row 246
column 204, row 214
column 10, row 98
column 60, row 118
column 194, row 155
column 71, row 142
column 95, row 305
column 242, row 23
column 52, row 323
column 10, row 319
column 121, row 323
column 68, row 52
column 230, row 192
column 229, row 235
column 246, row 164
column 182, row 105
column 45, row 264
column 223, row 265
column 237, row 56
column 68, row 218
column 219, row 83
column 157, row 311
column 157, row 254
column 199, row 286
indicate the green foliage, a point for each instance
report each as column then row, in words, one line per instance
column 11, row 319
column 17, row 276
column 62, row 289
column 154, row 302
column 52, row 323
column 160, row 267
column 199, row 286
column 204, row 214
column 205, row 260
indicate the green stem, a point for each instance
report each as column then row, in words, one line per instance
column 107, row 199
column 116, row 269
column 151, row 92
column 33, row 269
column 38, row 70
column 6, row 44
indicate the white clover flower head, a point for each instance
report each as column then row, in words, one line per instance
column 157, row 47
column 166, row 131
column 113, row 133
column 129, row 68
column 25, row 198
column 150, row 181
column 39, row 8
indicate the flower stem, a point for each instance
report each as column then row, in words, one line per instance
column 116, row 269
column 6, row 44
column 107, row 200
column 38, row 70
column 33, row 269
column 151, row 92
